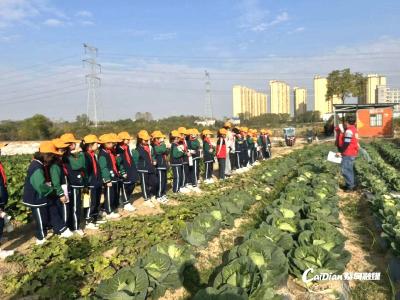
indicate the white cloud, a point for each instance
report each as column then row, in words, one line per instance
column 17, row 11
column 87, row 23
column 9, row 38
column 296, row 30
column 255, row 18
column 280, row 18
column 84, row 14
column 53, row 23
column 164, row 36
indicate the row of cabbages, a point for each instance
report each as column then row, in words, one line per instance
column 299, row 232
column 162, row 268
column 383, row 181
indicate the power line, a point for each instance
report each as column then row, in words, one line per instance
column 35, row 66
column 57, row 90
column 40, row 86
column 44, row 98
column 366, row 55
column 18, row 82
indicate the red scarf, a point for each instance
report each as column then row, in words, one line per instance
column 93, row 158
column 208, row 141
column 147, row 149
column 126, row 153
column 113, row 161
column 3, row 175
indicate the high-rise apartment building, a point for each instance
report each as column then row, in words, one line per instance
column 300, row 100
column 387, row 94
column 280, row 97
column 248, row 102
column 373, row 81
column 320, row 103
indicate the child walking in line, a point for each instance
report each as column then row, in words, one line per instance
column 59, row 181
column 146, row 168
column 127, row 184
column 194, row 149
column 176, row 158
column 185, row 179
column 250, row 147
column 94, row 181
column 160, row 152
column 4, row 218
column 109, row 174
column 74, row 168
column 39, row 194
column 221, row 152
column 209, row 154
column 244, row 154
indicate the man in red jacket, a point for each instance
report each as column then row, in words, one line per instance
column 349, row 152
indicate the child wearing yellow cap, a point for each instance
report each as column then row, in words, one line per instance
column 208, row 155
column 40, row 195
column 176, row 159
column 89, row 147
column 194, row 149
column 109, row 174
column 127, row 184
column 59, row 181
column 185, row 179
column 146, row 168
column 221, row 152
column 160, row 153
column 74, row 166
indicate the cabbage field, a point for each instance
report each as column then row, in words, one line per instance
column 252, row 236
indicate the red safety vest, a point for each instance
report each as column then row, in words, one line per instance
column 221, row 148
column 352, row 149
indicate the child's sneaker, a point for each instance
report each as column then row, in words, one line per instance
column 129, row 207
column 112, row 215
column 6, row 253
column 79, row 232
column 66, row 234
column 91, row 226
column 40, row 242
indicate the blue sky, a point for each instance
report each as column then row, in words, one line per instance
column 154, row 53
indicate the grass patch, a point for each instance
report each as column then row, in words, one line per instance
column 370, row 290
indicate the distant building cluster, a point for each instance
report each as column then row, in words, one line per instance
column 249, row 103
column 379, row 92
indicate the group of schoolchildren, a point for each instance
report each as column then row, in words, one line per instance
column 70, row 180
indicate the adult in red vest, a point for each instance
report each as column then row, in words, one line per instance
column 349, row 152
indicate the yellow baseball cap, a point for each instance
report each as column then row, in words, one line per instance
column 114, row 137
column 48, row 147
column 69, row 138
column 206, row 131
column 222, row 131
column 59, row 143
column 182, row 130
column 157, row 134
column 90, row 139
column 144, row 135
column 105, row 138
column 175, row 133
column 123, row 135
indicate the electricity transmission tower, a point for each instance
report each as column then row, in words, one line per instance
column 208, row 104
column 92, row 81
